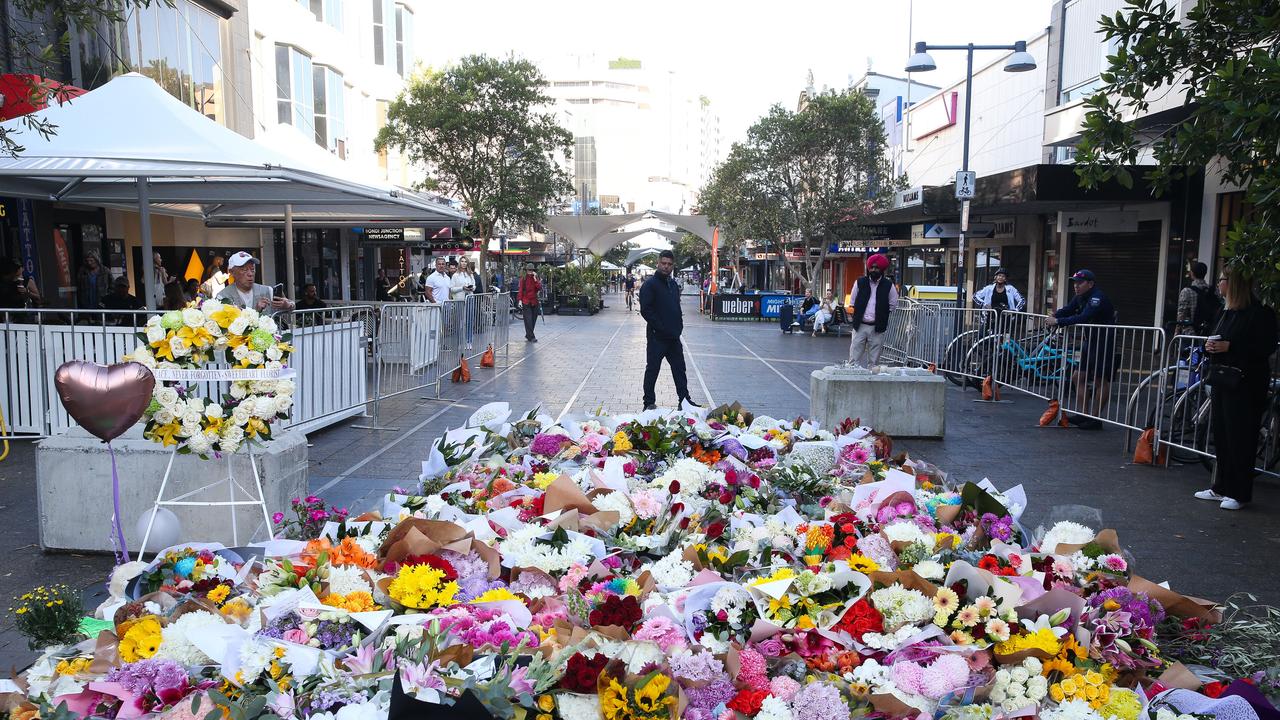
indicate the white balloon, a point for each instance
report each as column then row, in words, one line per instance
column 165, row 532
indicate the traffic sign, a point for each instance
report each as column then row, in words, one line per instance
column 965, row 182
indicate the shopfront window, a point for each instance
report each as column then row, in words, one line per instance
column 331, row 128
column 925, row 267
column 295, row 91
column 316, row 259
column 1232, row 208
column 180, row 47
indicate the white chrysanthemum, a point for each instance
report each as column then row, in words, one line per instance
column 344, row 580
column 572, row 706
column 1065, row 533
column 931, row 570
column 255, row 658
column 617, row 502
column 521, row 549
column 175, row 643
column 672, row 571
column 199, row 444
column 901, row 606
column 774, row 709
column 1071, row 710
column 907, row 531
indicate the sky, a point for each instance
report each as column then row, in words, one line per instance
column 744, row 56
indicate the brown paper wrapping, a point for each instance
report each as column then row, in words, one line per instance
column 891, row 706
column 371, row 516
column 490, row 555
column 416, row 536
column 1106, row 539
column 106, row 653
column 947, row 514
column 563, row 493
column 1176, row 604
column 1178, row 676
column 906, row 578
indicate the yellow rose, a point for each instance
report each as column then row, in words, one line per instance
column 546, row 703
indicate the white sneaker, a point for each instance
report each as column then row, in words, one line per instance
column 1231, row 504
column 1210, row 495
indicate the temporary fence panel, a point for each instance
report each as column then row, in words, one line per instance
column 470, row 327
column 1022, row 352
column 330, row 357
column 407, row 350
column 902, row 334
column 1107, row 370
column 955, row 333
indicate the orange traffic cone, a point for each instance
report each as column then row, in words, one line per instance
column 1050, row 414
column 990, row 390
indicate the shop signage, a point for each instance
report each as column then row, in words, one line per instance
column 1097, row 222
column 384, row 235
column 909, row 197
column 1004, row 229
column 766, row 256
column 771, row 305
column 952, row 230
column 736, row 307
column 27, row 238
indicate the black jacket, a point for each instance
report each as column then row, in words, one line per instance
column 660, row 306
column 1252, row 334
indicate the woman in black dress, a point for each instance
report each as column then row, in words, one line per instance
column 1245, row 338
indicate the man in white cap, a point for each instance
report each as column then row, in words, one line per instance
column 246, row 293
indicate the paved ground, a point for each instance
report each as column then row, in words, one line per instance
column 584, row 363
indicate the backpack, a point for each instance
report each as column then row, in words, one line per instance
column 1207, row 308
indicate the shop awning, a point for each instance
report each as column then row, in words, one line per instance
column 131, row 144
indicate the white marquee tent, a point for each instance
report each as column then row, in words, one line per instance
column 130, row 144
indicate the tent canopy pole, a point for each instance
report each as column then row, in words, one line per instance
column 288, row 252
column 148, row 261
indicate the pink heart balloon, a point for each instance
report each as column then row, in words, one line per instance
column 105, row 400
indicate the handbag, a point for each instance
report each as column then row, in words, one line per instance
column 1219, row 375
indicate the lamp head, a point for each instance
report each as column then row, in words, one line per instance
column 921, row 61
column 1020, row 60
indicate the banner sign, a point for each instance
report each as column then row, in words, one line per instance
column 216, row 375
column 1097, row 222
column 736, row 307
column 27, row 239
column 771, row 305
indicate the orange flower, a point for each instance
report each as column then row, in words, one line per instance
column 706, row 457
column 347, row 552
column 501, row 485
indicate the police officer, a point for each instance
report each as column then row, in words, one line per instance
column 1097, row 355
column 660, row 308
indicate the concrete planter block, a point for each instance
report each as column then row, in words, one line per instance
column 908, row 402
column 73, row 488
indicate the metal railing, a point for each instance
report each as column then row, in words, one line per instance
column 347, row 357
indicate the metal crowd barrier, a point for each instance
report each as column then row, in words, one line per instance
column 1105, row 373
column 347, row 357
column 957, row 331
column 1185, row 419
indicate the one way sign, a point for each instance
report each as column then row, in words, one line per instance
column 965, row 181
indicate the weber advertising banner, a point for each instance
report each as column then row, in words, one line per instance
column 736, row 307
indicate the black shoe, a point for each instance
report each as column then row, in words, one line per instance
column 533, row 339
column 650, row 407
column 691, row 403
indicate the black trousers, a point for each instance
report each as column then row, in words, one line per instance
column 656, row 350
column 530, row 314
column 1237, row 419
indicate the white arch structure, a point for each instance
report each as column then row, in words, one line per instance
column 598, row 234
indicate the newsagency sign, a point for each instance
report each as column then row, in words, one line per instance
column 736, row 307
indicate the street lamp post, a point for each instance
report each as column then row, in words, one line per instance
column 1019, row 61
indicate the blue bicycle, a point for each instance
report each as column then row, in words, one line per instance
column 1006, row 358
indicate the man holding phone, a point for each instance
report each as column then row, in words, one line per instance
column 246, row 293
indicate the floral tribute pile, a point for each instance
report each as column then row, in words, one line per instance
column 692, row 566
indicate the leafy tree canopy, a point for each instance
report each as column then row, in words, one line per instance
column 481, row 129
column 1223, row 58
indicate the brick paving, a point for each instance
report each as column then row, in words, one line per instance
column 585, row 363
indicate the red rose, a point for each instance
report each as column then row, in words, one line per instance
column 726, row 498
column 715, row 530
column 674, row 487
column 847, row 528
column 754, row 482
column 1214, row 689
column 861, row 618
column 684, row 523
column 731, row 476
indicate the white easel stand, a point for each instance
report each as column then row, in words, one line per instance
column 255, row 498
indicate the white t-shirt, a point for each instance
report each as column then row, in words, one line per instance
column 440, row 286
column 458, row 285
column 246, row 298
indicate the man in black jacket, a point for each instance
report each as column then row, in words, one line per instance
column 874, row 297
column 660, row 308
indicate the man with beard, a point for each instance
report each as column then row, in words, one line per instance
column 874, row 297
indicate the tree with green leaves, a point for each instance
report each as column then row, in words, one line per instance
column 808, row 175
column 38, row 34
column 481, row 129
column 618, row 254
column 1223, row 59
column 692, row 250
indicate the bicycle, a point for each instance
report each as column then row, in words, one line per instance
column 629, row 300
column 1047, row 362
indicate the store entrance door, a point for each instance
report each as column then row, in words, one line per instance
column 1127, row 266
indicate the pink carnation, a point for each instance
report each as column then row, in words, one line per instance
column 783, row 687
column 753, row 673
